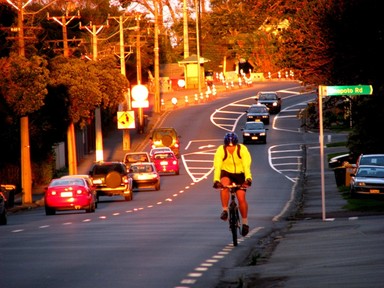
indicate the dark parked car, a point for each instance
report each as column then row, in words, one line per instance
column 3, row 210
column 368, row 180
column 254, row 132
column 270, row 99
column 258, row 112
column 110, row 179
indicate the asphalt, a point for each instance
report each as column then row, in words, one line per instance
column 324, row 246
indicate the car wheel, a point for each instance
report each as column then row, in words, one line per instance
column 177, row 172
column 49, row 211
column 3, row 218
column 157, row 186
column 113, row 179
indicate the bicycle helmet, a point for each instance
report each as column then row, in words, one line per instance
column 231, row 139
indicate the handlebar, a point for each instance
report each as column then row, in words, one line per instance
column 234, row 186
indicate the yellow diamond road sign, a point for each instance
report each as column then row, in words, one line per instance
column 125, row 119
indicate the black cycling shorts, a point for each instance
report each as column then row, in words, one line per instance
column 237, row 178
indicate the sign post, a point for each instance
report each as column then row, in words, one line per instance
column 334, row 91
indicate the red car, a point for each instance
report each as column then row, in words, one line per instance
column 166, row 162
column 74, row 192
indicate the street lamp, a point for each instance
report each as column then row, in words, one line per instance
column 140, row 101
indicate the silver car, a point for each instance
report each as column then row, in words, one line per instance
column 368, row 180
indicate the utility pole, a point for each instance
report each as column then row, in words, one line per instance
column 72, row 157
column 156, row 52
column 197, row 7
column 94, row 30
column 185, row 30
column 128, row 104
column 138, row 50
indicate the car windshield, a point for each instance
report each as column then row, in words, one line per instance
column 67, row 182
column 163, row 155
column 374, row 160
column 267, row 97
column 371, row 172
column 104, row 169
column 163, row 132
column 254, row 126
column 136, row 158
column 257, row 109
column 142, row 168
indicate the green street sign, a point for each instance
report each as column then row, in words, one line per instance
column 345, row 90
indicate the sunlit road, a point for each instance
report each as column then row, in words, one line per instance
column 167, row 238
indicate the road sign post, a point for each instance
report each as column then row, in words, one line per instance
column 345, row 90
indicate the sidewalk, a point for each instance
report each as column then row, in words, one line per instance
column 344, row 250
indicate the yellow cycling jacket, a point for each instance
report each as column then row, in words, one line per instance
column 232, row 164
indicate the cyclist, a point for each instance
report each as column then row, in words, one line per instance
column 232, row 164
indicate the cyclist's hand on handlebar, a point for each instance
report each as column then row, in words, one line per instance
column 217, row 185
column 247, row 183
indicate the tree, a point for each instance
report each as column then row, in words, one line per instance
column 88, row 85
column 23, row 85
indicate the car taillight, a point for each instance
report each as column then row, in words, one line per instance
column 81, row 191
column 174, row 162
column 125, row 179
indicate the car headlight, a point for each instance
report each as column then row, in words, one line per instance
column 274, row 104
column 246, row 134
column 360, row 184
column 262, row 134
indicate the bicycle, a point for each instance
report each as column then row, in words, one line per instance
column 233, row 212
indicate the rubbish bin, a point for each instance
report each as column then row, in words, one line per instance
column 349, row 169
column 9, row 191
column 340, row 173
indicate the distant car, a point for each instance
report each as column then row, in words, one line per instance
column 270, row 99
column 3, row 210
column 368, row 180
column 134, row 157
column 166, row 137
column 258, row 112
column 254, row 132
column 166, row 162
column 144, row 175
column 110, row 179
column 70, row 193
column 159, row 150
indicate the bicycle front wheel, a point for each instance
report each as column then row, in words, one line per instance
column 233, row 225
